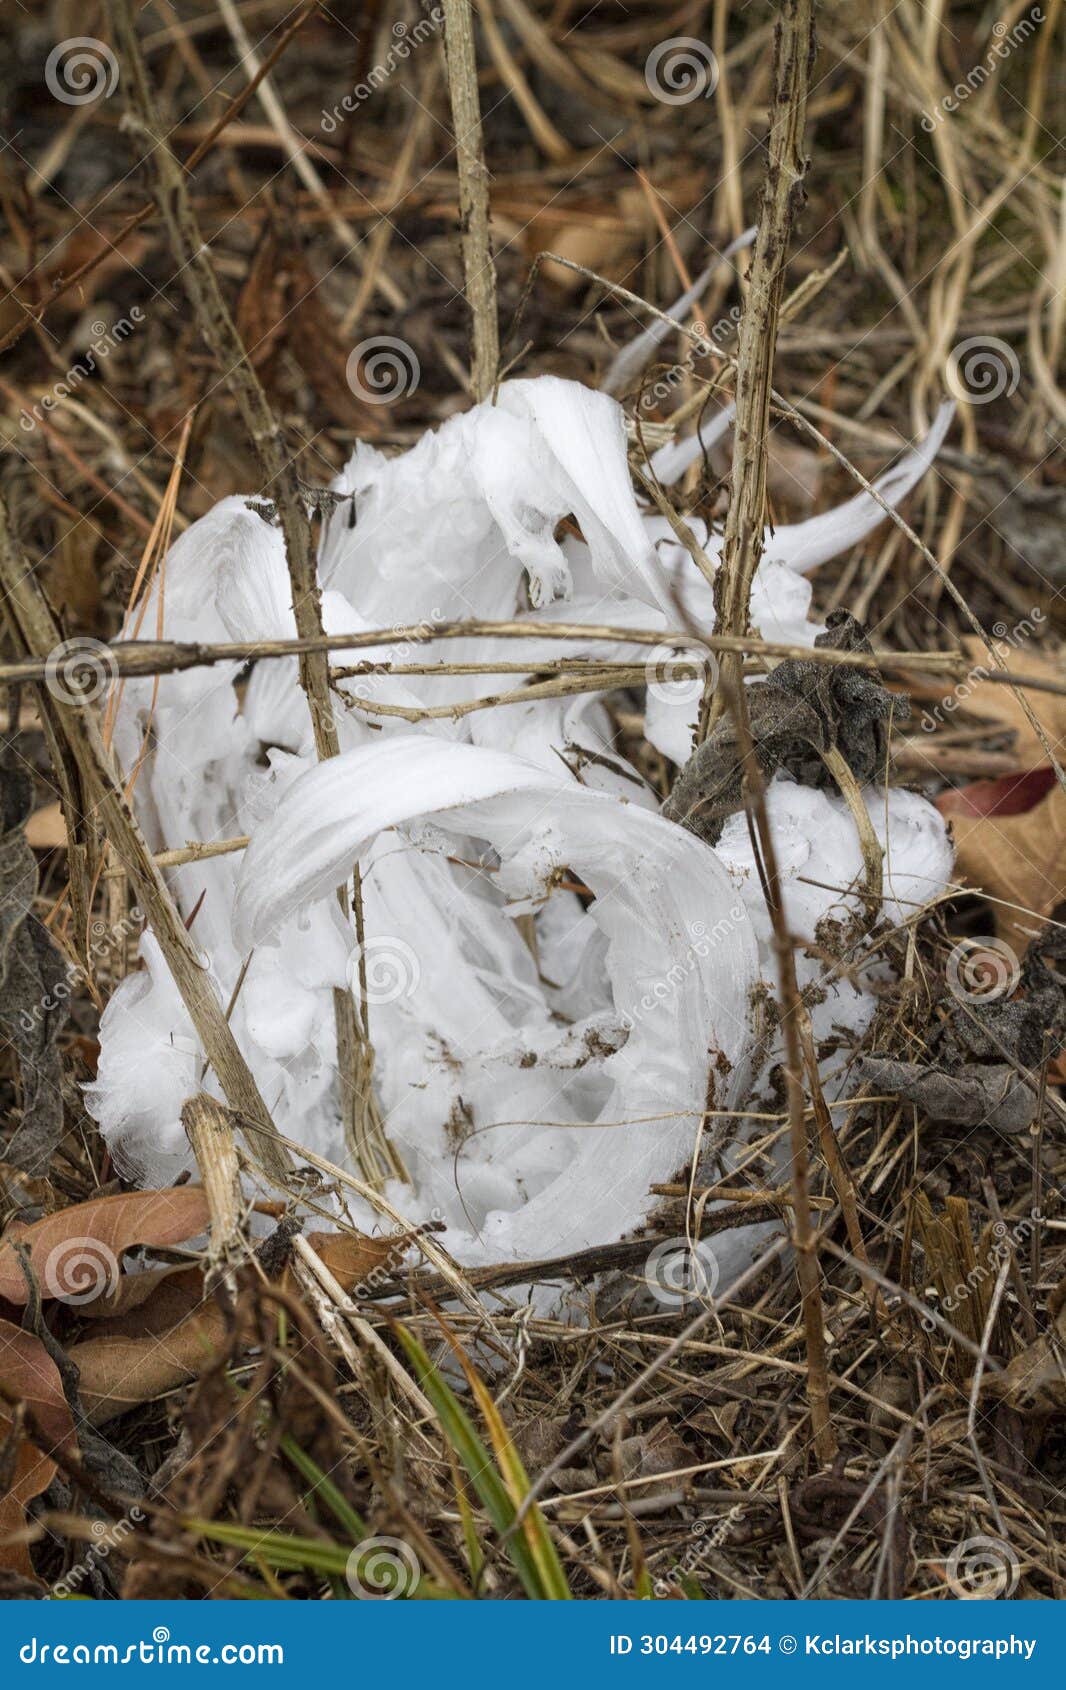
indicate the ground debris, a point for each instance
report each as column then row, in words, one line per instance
column 31, row 968
column 979, row 1055
column 802, row 709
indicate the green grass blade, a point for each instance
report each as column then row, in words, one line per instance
column 322, row 1486
column 484, row 1476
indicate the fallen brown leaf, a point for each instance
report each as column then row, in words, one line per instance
column 28, row 1375
column 1015, row 855
column 119, row 1373
column 1000, row 704
column 1034, row 1381
column 153, row 1344
column 76, row 1252
column 353, row 1256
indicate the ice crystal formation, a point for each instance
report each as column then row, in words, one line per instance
column 558, row 979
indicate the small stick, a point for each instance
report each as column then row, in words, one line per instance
column 209, row 1129
column 162, row 657
column 806, row 1241
column 478, row 267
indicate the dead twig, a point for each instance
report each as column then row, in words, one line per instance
column 476, row 241
column 782, row 196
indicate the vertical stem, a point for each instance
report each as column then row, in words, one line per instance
column 478, row 268
column 209, row 1129
column 805, row 1239
column 783, row 194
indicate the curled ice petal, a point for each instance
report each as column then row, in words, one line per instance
column 627, row 364
column 804, row 545
column 670, row 462
column 679, row 960
column 581, row 967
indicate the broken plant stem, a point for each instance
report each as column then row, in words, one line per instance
column 872, row 855
column 209, row 1129
column 792, row 1010
column 478, row 267
column 362, row 1120
column 782, row 196
column 165, row 657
